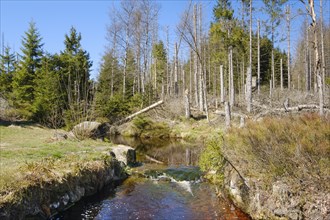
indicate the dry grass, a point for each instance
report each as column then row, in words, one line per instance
column 296, row 146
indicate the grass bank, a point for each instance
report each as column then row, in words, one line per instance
column 31, row 158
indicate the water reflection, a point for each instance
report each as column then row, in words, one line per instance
column 171, row 152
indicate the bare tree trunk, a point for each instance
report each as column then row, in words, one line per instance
column 307, row 75
column 258, row 80
column 183, row 81
column 124, row 75
column 222, row 89
column 167, row 62
column 243, row 79
column 322, row 45
column 249, row 72
column 195, row 57
column 231, row 74
column 139, row 112
column 273, row 69
column 249, row 90
column 288, row 19
column 281, row 70
column 176, row 88
column 228, row 115
column 155, row 75
column 317, row 62
column 270, row 89
column 190, row 75
column 321, row 96
column 187, row 104
column 200, row 70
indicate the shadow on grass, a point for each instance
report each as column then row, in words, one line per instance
column 17, row 123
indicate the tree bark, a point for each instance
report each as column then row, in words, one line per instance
column 228, row 115
column 139, row 112
column 317, row 58
column 307, row 75
column 176, row 86
column 195, row 57
column 281, row 70
column 249, row 90
column 200, row 64
column 258, row 80
column 249, row 72
column 222, row 90
column 231, row 74
column 187, row 104
column 288, row 55
column 322, row 45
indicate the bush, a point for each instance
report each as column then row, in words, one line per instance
column 212, row 161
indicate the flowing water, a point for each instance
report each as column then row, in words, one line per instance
column 168, row 185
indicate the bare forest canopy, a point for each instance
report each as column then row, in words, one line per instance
column 226, row 61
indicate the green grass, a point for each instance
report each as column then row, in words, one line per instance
column 30, row 149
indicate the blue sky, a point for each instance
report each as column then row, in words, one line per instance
column 55, row 18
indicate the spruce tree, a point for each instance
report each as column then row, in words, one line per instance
column 109, row 83
column 75, row 74
column 24, row 77
column 7, row 68
column 49, row 101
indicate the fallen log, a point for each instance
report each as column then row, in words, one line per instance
column 128, row 118
column 293, row 108
column 153, row 159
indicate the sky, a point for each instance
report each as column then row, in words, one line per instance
column 55, row 18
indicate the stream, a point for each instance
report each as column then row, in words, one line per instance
column 167, row 185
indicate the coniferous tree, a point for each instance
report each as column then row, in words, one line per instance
column 49, row 99
column 75, row 82
column 160, row 59
column 8, row 65
column 274, row 9
column 109, row 83
column 24, row 77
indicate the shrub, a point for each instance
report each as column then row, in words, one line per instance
column 212, row 160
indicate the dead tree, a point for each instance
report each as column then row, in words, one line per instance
column 317, row 63
column 222, row 89
column 281, row 72
column 228, row 115
column 322, row 44
column 288, row 20
column 249, row 72
column 258, row 80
